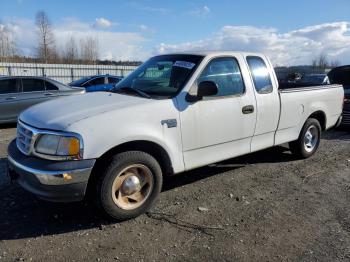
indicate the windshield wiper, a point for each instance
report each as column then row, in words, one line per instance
column 135, row 90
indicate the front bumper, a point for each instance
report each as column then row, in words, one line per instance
column 57, row 181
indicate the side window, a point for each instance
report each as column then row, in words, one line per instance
column 113, row 80
column 50, row 86
column 225, row 72
column 8, row 86
column 96, row 81
column 32, row 85
column 260, row 74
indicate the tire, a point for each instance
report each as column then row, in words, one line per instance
column 305, row 146
column 125, row 174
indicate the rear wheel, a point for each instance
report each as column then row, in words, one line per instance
column 130, row 185
column 308, row 141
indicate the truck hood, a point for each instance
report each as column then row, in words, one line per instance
column 60, row 113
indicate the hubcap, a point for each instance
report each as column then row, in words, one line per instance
column 132, row 186
column 311, row 138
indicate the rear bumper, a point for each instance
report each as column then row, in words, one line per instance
column 57, row 181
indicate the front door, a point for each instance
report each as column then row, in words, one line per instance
column 216, row 128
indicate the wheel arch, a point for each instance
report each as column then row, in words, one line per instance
column 150, row 147
column 320, row 116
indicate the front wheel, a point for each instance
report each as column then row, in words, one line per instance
column 130, row 185
column 309, row 139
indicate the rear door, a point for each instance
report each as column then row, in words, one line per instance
column 9, row 92
column 267, row 101
column 33, row 92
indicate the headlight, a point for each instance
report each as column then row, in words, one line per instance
column 54, row 146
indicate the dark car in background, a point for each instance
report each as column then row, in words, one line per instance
column 20, row 92
column 295, row 80
column 341, row 75
column 314, row 80
column 97, row 82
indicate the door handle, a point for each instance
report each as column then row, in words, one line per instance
column 11, row 98
column 49, row 94
column 248, row 109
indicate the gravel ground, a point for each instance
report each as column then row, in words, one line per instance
column 266, row 206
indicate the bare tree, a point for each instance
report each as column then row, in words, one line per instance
column 8, row 46
column 70, row 52
column 322, row 62
column 89, row 49
column 46, row 42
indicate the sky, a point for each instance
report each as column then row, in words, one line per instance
column 290, row 32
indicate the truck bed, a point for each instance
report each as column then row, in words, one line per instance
column 297, row 106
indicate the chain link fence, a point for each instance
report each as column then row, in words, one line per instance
column 64, row 73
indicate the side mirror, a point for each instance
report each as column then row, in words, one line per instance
column 207, row 88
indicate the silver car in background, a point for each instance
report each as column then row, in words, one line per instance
column 20, row 92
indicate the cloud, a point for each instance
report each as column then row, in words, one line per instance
column 24, row 34
column 201, row 12
column 295, row 47
column 113, row 45
column 143, row 27
column 102, row 22
column 292, row 48
column 146, row 30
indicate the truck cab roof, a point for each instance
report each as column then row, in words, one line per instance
column 215, row 53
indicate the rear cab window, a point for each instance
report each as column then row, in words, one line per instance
column 260, row 74
column 8, row 86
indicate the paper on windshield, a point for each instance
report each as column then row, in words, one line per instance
column 184, row 64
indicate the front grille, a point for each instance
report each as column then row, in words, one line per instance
column 24, row 138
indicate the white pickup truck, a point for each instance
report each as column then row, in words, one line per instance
column 174, row 113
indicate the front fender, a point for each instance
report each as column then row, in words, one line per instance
column 106, row 131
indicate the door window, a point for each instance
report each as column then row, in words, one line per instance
column 113, row 80
column 225, row 72
column 32, row 85
column 8, row 86
column 96, row 81
column 260, row 74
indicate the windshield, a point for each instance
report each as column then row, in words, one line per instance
column 161, row 76
column 80, row 81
